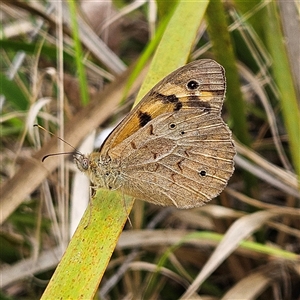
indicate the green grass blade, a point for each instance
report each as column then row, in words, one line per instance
column 224, row 53
column 47, row 51
column 83, row 264
column 13, row 94
column 282, row 75
column 223, row 49
column 78, row 54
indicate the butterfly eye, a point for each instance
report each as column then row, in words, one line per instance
column 193, row 85
column 85, row 164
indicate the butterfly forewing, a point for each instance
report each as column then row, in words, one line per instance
column 198, row 84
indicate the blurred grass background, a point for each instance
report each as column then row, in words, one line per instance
column 60, row 62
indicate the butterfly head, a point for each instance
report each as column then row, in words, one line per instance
column 86, row 165
column 81, row 161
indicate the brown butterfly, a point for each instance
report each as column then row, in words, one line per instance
column 173, row 148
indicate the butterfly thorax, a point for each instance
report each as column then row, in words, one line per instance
column 103, row 171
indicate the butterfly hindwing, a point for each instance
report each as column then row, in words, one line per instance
column 180, row 158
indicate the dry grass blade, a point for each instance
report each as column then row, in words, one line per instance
column 240, row 230
column 267, row 171
column 47, row 260
column 251, row 286
column 259, row 204
column 153, row 268
column 257, row 87
column 81, row 190
column 98, row 48
column 265, row 176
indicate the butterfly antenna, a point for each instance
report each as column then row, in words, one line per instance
column 41, row 127
column 54, row 154
column 62, row 153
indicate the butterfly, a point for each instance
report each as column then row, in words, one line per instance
column 173, row 148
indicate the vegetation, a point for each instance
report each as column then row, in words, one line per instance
column 76, row 70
